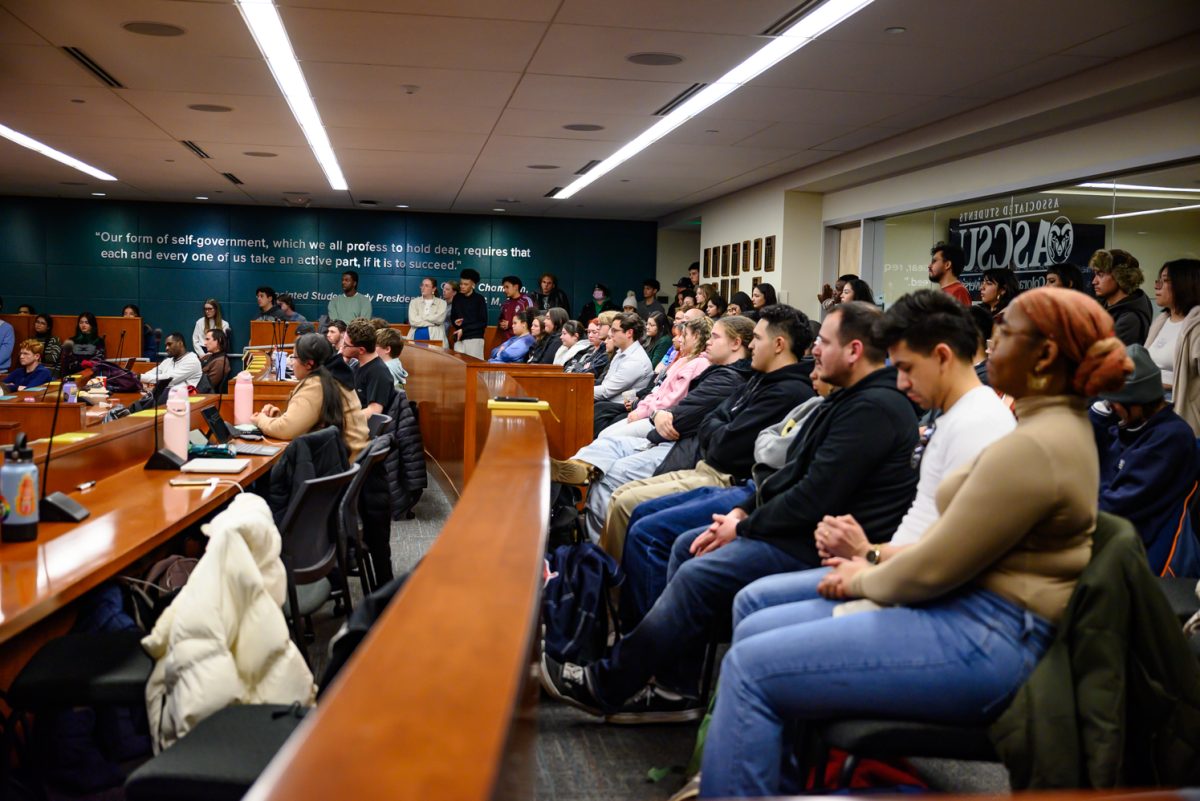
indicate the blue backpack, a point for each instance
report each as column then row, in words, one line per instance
column 576, row 605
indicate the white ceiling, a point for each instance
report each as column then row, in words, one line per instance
column 497, row 81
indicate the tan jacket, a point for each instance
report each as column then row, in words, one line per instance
column 1186, row 391
column 1018, row 521
column 304, row 410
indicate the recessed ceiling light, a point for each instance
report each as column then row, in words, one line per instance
column 402, row 205
column 260, row 154
column 814, row 22
column 62, row 158
column 583, row 126
column 262, row 18
column 201, row 197
column 368, row 202
column 654, row 59
column 153, row 28
column 497, row 209
column 895, row 29
column 209, row 107
column 542, row 166
column 99, row 194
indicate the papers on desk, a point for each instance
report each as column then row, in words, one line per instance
column 70, row 436
column 161, row 410
column 215, row 466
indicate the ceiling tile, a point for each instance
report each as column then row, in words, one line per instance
column 559, row 93
column 530, row 10
column 745, row 17
column 387, row 85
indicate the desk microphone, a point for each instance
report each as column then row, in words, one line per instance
column 120, row 344
column 58, row 507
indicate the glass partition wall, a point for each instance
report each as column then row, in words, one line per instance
column 1153, row 213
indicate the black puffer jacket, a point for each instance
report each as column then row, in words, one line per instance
column 313, row 455
column 406, row 476
column 705, row 393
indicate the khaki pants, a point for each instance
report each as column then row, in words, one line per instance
column 628, row 496
column 471, row 347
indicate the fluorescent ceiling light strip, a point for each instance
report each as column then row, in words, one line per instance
column 1148, row 211
column 49, row 152
column 262, row 18
column 803, row 31
column 1140, row 188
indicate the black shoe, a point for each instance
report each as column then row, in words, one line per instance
column 570, row 684
column 655, row 705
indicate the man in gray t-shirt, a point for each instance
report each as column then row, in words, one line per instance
column 350, row 305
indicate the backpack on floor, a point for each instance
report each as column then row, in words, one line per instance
column 576, row 603
column 566, row 523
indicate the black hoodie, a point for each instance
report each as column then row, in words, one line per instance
column 853, row 457
column 1131, row 317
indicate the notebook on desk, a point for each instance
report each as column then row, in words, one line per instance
column 215, row 466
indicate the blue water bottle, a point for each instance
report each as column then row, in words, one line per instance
column 19, row 494
column 70, row 391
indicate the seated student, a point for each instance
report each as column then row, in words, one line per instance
column 593, row 359
column 150, row 335
column 323, row 397
column 334, row 331
column 739, row 303
column 8, row 337
column 517, row 347
column 389, row 344
column 373, row 382
column 931, row 340
column 86, row 344
column 657, row 340
column 215, row 362
column 574, row 343
column 629, row 367
column 51, row 345
column 693, row 339
column 546, row 348
column 287, row 309
column 268, row 309
column 30, row 373
column 1148, row 466
column 853, row 458
column 181, row 365
column 26, row 308
column 970, row 608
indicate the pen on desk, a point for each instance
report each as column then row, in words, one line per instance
column 87, row 485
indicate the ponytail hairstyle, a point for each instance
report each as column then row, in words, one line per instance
column 702, row 327
column 315, row 348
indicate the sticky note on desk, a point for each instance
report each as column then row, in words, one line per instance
column 68, row 437
column 195, row 398
column 150, row 412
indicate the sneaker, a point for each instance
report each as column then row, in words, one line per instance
column 688, row 791
column 572, row 471
column 570, row 684
column 655, row 705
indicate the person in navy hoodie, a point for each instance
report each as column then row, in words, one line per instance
column 1148, row 467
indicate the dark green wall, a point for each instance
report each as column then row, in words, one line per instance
column 53, row 255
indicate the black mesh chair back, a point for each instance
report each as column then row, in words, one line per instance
column 379, row 424
column 309, row 528
column 369, row 459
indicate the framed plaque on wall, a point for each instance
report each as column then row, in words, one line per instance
column 769, row 255
column 726, row 259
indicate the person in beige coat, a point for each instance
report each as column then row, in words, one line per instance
column 1174, row 336
column 224, row 640
column 427, row 314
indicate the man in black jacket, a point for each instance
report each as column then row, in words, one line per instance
column 469, row 312
column 722, row 452
column 852, row 458
column 613, row 461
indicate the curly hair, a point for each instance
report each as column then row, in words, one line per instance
column 1122, row 265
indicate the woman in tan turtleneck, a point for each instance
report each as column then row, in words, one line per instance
column 968, row 610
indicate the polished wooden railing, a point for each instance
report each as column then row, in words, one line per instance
column 427, row 706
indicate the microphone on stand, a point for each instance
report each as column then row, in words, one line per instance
column 58, row 507
column 120, row 344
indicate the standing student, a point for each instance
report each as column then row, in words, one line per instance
column 469, row 313
column 427, row 313
column 319, row 400
column 268, row 309
column 829, row 296
column 551, row 297
column 181, row 365
column 51, row 345
column 150, row 337
column 211, row 319
column 649, row 303
column 1174, row 336
column 515, row 300
column 945, row 265
column 998, row 288
column 351, row 304
column 1117, row 281
column 599, row 303
column 1066, row 276
column 857, row 289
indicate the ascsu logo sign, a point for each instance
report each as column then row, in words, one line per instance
column 1022, row 236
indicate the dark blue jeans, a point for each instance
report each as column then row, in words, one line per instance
column 669, row 642
column 653, row 529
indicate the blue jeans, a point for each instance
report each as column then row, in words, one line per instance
column 653, row 528
column 669, row 642
column 627, row 464
column 777, row 601
column 955, row 660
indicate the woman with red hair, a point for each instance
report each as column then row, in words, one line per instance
column 960, row 618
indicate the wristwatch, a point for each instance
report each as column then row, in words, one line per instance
column 873, row 554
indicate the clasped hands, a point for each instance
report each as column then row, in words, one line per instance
column 842, row 545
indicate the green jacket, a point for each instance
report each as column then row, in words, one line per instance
column 1115, row 702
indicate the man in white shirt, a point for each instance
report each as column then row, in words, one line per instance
column 182, row 365
column 630, row 366
column 350, row 305
column 931, row 340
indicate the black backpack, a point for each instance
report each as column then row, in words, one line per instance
column 577, row 608
column 566, row 525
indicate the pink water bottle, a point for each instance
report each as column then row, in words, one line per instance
column 243, row 398
column 175, row 421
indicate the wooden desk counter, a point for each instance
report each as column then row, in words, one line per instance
column 132, row 512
